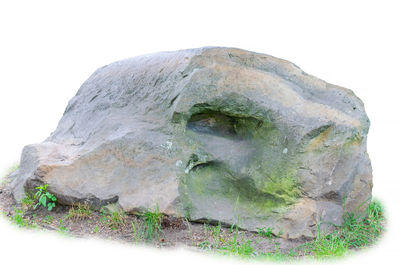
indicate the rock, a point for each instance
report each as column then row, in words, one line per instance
column 217, row 134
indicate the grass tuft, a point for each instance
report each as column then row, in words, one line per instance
column 148, row 227
column 79, row 212
column 28, row 203
column 115, row 219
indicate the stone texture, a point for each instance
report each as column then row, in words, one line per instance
column 216, row 134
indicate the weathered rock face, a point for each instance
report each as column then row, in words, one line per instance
column 211, row 134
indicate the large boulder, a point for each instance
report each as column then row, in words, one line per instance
column 211, row 134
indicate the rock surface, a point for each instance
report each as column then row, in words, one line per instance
column 216, row 134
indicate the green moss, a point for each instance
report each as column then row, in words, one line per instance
column 264, row 181
column 215, row 180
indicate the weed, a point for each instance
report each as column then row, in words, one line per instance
column 225, row 244
column 28, row 202
column 45, row 198
column 216, row 233
column 190, row 231
column 62, row 229
column 136, row 231
column 96, row 229
column 205, row 245
column 236, row 246
column 115, row 219
column 266, row 232
column 49, row 219
column 79, row 212
column 152, row 225
column 19, row 219
column 149, row 228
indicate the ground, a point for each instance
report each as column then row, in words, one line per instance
column 164, row 231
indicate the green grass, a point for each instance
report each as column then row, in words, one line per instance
column 79, row 212
column 49, row 219
column 231, row 244
column 356, row 232
column 266, row 232
column 150, row 227
column 114, row 219
column 62, row 229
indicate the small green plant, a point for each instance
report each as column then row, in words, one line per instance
column 216, row 233
column 149, row 227
column 79, row 212
column 49, row 219
column 115, row 219
column 19, row 219
column 205, row 245
column 28, row 202
column 62, row 229
column 190, row 231
column 266, row 232
column 243, row 249
column 136, row 231
column 96, row 229
column 45, row 198
column 237, row 246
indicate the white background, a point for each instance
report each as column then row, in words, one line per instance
column 48, row 48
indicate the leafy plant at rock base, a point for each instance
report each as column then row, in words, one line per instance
column 45, row 198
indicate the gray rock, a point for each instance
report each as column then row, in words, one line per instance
column 217, row 134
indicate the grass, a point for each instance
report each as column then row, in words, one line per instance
column 29, row 202
column 150, row 228
column 266, row 232
column 356, row 232
column 79, row 212
column 114, row 219
column 62, row 229
column 233, row 243
column 49, row 219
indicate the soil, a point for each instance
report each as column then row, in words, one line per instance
column 176, row 231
